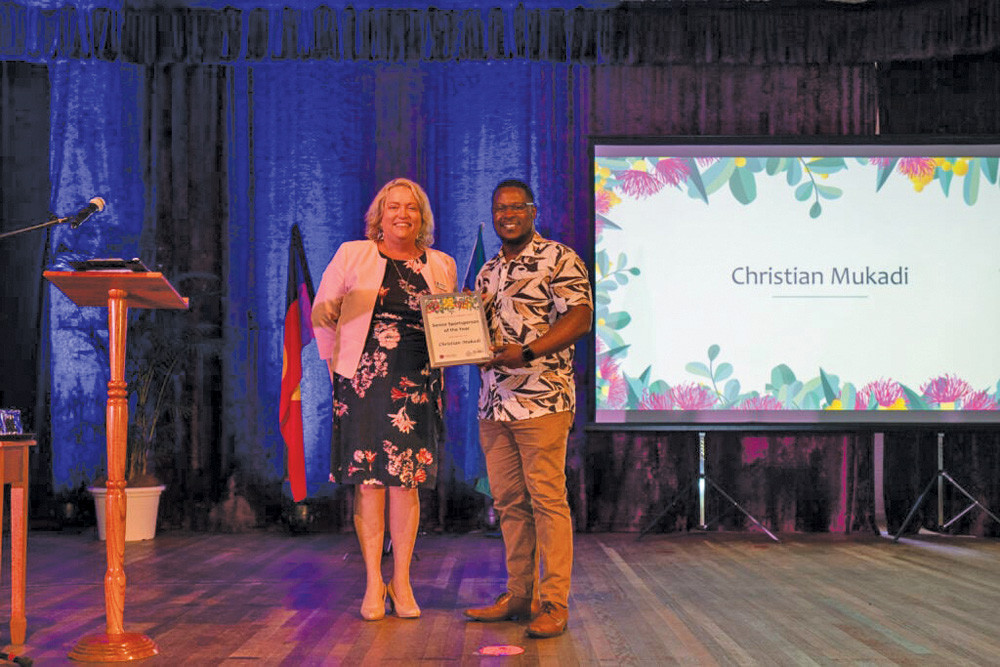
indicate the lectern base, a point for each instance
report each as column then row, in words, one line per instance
column 114, row 648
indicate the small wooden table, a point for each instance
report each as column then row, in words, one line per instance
column 14, row 471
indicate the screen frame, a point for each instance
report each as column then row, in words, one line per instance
column 732, row 419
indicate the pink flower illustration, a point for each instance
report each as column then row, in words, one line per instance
column 979, row 400
column 424, row 457
column 692, row 396
column 639, row 184
column 617, row 388
column 656, row 401
column 765, row 402
column 946, row 389
column 909, row 166
column 672, row 171
column 887, row 393
column 602, row 201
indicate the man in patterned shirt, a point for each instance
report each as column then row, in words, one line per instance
column 538, row 304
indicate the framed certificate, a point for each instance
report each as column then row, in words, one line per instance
column 455, row 326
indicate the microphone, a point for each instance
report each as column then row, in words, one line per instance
column 96, row 204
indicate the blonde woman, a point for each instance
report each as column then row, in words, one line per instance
column 387, row 405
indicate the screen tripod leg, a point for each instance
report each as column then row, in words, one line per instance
column 740, row 508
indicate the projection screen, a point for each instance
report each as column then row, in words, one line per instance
column 850, row 281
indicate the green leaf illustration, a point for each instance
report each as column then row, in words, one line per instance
column 829, row 391
column 613, row 353
column 970, row 189
column 658, row 388
column 617, row 320
column 915, row 400
column 989, row 166
column 743, row 186
column 794, row 173
column 718, row 174
column 694, row 179
column 723, row 371
column 731, row 392
column 605, row 222
column 884, row 173
column 781, row 375
column 944, row 178
column 828, row 191
column 698, row 368
column 601, row 262
column 826, row 165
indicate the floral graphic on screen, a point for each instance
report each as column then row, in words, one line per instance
column 714, row 383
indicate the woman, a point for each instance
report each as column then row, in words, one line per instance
column 386, row 399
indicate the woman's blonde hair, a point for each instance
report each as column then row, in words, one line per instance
column 373, row 218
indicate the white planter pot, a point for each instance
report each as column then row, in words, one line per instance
column 142, row 503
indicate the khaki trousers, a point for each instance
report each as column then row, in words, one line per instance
column 526, row 463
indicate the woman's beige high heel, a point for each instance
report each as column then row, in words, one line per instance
column 375, row 612
column 394, row 606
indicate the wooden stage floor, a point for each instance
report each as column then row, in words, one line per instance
column 696, row 599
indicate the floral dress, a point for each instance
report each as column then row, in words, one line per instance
column 387, row 423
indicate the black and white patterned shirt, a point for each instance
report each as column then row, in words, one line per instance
column 524, row 297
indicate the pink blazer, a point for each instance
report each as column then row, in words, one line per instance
column 345, row 300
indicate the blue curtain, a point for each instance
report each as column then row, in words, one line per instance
column 94, row 151
column 312, row 143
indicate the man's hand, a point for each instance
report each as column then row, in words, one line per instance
column 508, row 355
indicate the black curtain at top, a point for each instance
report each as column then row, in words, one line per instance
column 949, row 96
column 639, row 33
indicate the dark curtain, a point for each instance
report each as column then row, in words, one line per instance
column 185, row 170
column 779, row 100
column 24, row 203
column 216, row 128
column 955, row 95
column 952, row 96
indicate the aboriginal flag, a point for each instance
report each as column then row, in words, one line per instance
column 298, row 333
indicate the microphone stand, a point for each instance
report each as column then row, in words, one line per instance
column 52, row 221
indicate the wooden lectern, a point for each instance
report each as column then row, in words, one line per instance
column 118, row 290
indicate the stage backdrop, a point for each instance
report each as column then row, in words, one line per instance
column 210, row 130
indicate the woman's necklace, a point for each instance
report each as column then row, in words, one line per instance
column 398, row 272
column 395, row 266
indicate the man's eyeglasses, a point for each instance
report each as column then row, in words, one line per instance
column 512, row 208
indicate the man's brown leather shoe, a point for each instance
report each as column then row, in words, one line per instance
column 550, row 622
column 506, row 608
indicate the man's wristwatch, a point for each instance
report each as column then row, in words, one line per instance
column 527, row 354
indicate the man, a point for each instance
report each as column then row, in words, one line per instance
column 538, row 304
